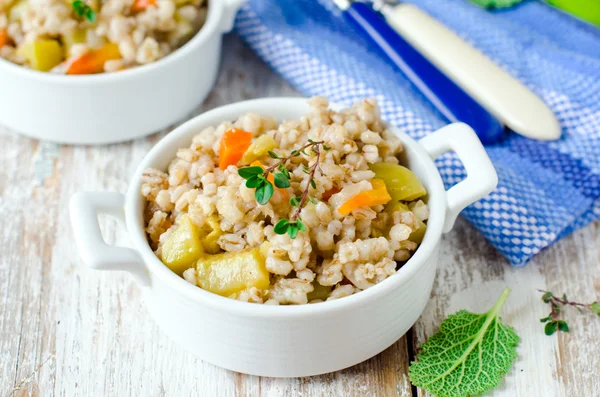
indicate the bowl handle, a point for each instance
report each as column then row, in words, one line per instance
column 84, row 209
column 481, row 175
column 230, row 9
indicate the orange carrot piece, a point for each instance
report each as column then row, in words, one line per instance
column 141, row 5
column 379, row 195
column 232, row 147
column 271, row 178
column 93, row 61
column 3, row 37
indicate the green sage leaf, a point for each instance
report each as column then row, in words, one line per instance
column 469, row 355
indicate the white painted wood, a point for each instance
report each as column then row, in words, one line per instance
column 69, row 331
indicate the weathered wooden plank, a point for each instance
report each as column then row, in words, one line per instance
column 472, row 275
column 383, row 375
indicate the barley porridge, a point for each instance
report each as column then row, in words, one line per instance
column 95, row 36
column 296, row 212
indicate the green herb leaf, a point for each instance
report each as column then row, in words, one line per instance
column 301, row 225
column 295, row 201
column 496, row 3
column 281, row 181
column 469, row 355
column 313, row 183
column 313, row 200
column 556, row 308
column 325, row 147
column 264, row 193
column 550, row 328
column 254, row 181
column 595, row 308
column 545, row 319
column 293, row 230
column 82, row 9
column 282, row 226
column 563, row 326
column 546, row 297
column 273, row 155
column 248, row 172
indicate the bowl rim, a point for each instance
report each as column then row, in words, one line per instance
column 214, row 15
column 182, row 135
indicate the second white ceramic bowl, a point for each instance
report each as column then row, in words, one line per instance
column 114, row 107
column 284, row 341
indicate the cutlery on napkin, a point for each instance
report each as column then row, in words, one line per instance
column 461, row 82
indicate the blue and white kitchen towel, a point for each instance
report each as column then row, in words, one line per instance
column 546, row 190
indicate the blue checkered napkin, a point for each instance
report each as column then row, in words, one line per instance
column 546, row 190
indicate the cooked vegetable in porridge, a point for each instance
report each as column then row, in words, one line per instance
column 95, row 36
column 296, row 212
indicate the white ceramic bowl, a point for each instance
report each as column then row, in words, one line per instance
column 104, row 108
column 284, row 341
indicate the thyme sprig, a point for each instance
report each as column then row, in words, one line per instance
column 258, row 178
column 553, row 321
column 82, row 9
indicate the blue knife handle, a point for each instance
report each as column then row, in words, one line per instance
column 447, row 97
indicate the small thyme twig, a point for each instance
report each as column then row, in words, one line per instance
column 553, row 321
column 294, row 153
column 311, row 177
column 258, row 178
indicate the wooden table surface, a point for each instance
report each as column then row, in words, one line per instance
column 69, row 331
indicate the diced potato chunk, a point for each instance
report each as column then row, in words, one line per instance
column 183, row 247
column 319, row 291
column 42, row 54
column 213, row 231
column 402, row 183
column 258, row 148
column 231, row 272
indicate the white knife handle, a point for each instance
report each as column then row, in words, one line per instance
column 496, row 90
